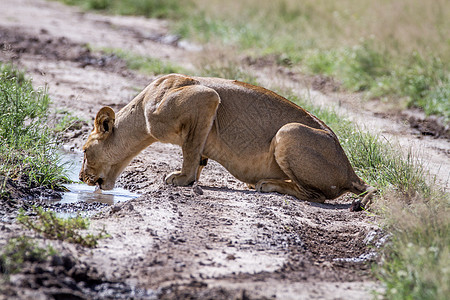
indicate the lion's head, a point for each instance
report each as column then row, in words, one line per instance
column 99, row 164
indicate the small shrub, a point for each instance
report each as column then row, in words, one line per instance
column 437, row 101
column 18, row 250
column 321, row 62
column 362, row 65
column 173, row 9
column 426, row 84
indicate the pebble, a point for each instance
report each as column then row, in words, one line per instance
column 197, row 189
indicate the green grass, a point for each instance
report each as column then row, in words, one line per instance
column 28, row 149
column 150, row 8
column 415, row 262
column 395, row 50
column 65, row 120
column 224, row 68
column 144, row 64
column 374, row 159
column 415, row 212
column 50, row 226
column 414, row 80
column 19, row 250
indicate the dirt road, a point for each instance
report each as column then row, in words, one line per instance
column 224, row 242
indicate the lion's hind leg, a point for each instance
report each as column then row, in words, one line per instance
column 366, row 192
column 314, row 162
column 290, row 188
column 203, row 163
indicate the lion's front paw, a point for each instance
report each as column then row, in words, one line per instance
column 178, row 179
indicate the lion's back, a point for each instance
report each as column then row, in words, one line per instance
column 248, row 117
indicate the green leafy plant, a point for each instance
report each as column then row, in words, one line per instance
column 18, row 250
column 50, row 226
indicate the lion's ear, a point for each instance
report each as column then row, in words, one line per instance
column 104, row 121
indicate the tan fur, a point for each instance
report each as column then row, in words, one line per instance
column 258, row 136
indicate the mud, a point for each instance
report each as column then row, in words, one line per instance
column 63, row 277
column 324, row 84
column 19, row 188
column 16, row 43
column 217, row 240
column 427, row 126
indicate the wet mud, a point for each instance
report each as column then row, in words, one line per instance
column 63, row 277
column 428, row 126
column 15, row 43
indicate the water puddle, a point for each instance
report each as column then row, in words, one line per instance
column 80, row 192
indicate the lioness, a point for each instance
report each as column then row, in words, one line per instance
column 260, row 137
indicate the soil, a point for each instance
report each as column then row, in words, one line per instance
column 215, row 240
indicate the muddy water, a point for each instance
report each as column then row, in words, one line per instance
column 80, row 192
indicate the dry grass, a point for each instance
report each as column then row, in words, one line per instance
column 395, row 50
column 414, row 264
column 402, row 26
column 398, row 49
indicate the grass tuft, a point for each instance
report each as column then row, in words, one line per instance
column 27, row 145
column 52, row 227
column 415, row 261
